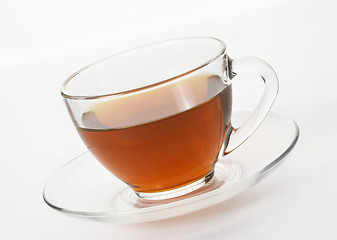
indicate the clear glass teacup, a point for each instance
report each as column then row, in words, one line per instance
column 158, row 117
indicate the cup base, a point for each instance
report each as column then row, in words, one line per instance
column 177, row 192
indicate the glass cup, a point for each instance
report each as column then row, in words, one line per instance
column 158, row 117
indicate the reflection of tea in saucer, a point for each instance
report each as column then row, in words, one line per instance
column 226, row 173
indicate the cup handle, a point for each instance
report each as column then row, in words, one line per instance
column 268, row 75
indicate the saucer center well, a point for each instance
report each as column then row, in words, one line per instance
column 225, row 174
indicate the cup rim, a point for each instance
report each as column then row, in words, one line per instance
column 65, row 94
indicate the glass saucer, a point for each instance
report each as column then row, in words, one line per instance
column 84, row 188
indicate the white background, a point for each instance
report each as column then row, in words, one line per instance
column 43, row 42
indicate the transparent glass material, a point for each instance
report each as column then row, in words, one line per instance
column 85, row 189
column 171, row 73
column 158, row 117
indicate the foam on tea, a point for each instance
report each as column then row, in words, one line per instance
column 155, row 140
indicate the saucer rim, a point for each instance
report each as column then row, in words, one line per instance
column 122, row 216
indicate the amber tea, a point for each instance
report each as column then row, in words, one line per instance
column 166, row 153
